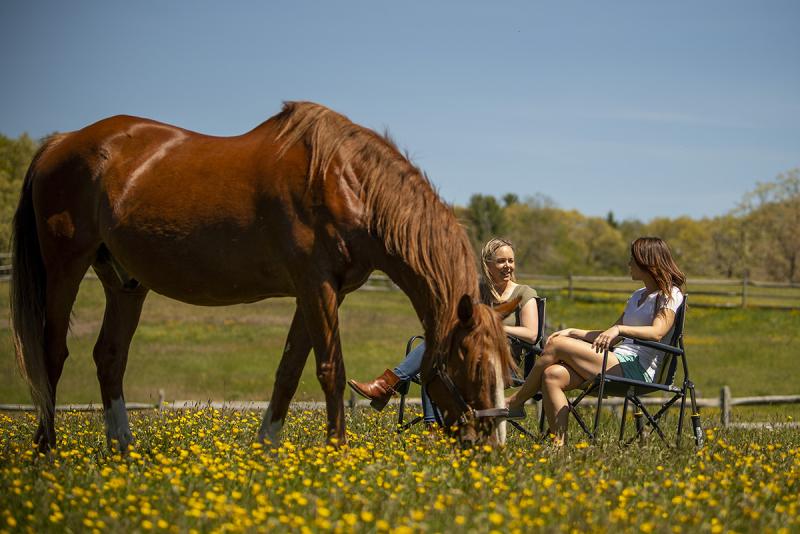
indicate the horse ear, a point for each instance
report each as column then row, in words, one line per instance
column 466, row 311
column 505, row 309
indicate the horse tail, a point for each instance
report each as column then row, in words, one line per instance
column 27, row 290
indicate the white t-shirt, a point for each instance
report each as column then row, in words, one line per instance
column 643, row 315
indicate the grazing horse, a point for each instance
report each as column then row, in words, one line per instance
column 307, row 205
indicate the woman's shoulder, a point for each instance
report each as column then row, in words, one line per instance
column 675, row 298
column 525, row 292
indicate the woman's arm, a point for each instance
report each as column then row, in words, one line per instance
column 528, row 323
column 661, row 325
column 585, row 335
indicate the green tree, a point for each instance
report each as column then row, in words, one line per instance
column 772, row 215
column 485, row 217
column 509, row 199
column 15, row 156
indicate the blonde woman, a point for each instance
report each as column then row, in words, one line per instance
column 498, row 285
column 572, row 356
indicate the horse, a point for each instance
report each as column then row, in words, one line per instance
column 305, row 205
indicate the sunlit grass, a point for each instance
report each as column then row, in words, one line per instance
column 200, row 470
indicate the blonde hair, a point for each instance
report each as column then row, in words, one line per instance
column 488, row 254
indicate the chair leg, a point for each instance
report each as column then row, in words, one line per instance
column 579, row 419
column 652, row 420
column 541, row 417
column 637, row 417
column 406, row 426
column 599, row 407
column 622, row 420
column 680, row 417
column 523, row 430
column 696, row 426
column 401, row 411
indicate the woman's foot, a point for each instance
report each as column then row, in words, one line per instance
column 379, row 391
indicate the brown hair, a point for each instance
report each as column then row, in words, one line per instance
column 653, row 256
column 488, row 254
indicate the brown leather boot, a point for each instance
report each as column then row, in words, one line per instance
column 379, row 390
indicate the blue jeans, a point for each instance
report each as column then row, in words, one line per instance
column 409, row 368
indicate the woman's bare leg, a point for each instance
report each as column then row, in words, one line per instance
column 577, row 354
column 557, row 379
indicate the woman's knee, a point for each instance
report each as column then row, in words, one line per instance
column 555, row 345
column 556, row 375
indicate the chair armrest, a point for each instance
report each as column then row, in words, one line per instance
column 514, row 340
column 655, row 345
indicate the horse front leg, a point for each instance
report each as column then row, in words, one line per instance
column 295, row 354
column 321, row 312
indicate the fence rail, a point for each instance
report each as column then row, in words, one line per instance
column 713, row 293
column 725, row 402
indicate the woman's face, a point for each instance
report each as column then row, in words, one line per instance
column 637, row 273
column 501, row 267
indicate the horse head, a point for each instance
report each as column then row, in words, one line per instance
column 467, row 378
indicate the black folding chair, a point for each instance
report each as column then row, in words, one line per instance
column 604, row 385
column 528, row 354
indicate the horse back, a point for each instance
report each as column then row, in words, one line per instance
column 178, row 209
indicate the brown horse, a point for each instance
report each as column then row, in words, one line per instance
column 305, row 205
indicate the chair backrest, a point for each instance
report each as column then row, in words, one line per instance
column 541, row 309
column 669, row 364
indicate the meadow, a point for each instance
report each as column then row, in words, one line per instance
column 231, row 353
column 201, row 470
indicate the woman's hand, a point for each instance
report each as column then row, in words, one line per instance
column 567, row 332
column 605, row 339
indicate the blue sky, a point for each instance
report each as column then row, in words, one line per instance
column 644, row 108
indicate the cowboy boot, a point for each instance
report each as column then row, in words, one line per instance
column 379, row 390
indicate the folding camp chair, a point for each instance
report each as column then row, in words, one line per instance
column 528, row 354
column 604, row 385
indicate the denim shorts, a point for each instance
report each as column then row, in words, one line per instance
column 630, row 367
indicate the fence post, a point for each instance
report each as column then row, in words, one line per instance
column 569, row 286
column 725, row 406
column 744, row 290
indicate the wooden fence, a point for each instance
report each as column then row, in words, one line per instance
column 725, row 402
column 712, row 293
column 706, row 293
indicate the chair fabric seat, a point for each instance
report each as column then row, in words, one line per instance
column 619, row 386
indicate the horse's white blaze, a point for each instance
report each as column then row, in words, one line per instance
column 270, row 430
column 499, row 400
column 117, row 426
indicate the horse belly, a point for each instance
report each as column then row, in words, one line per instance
column 213, row 270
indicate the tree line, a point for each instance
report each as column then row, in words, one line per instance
column 759, row 237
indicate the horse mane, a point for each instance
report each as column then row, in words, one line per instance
column 420, row 232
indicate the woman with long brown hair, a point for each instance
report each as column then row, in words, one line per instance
column 572, row 356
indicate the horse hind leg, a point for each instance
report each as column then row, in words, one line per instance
column 62, row 286
column 121, row 317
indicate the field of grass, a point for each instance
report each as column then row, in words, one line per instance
column 199, row 470
column 231, row 353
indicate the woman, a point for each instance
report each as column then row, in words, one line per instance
column 498, row 285
column 571, row 356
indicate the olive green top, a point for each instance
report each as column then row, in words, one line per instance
column 527, row 293
column 512, row 319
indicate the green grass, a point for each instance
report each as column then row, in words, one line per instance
column 231, row 353
column 199, row 470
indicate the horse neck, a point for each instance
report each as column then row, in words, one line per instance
column 436, row 309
